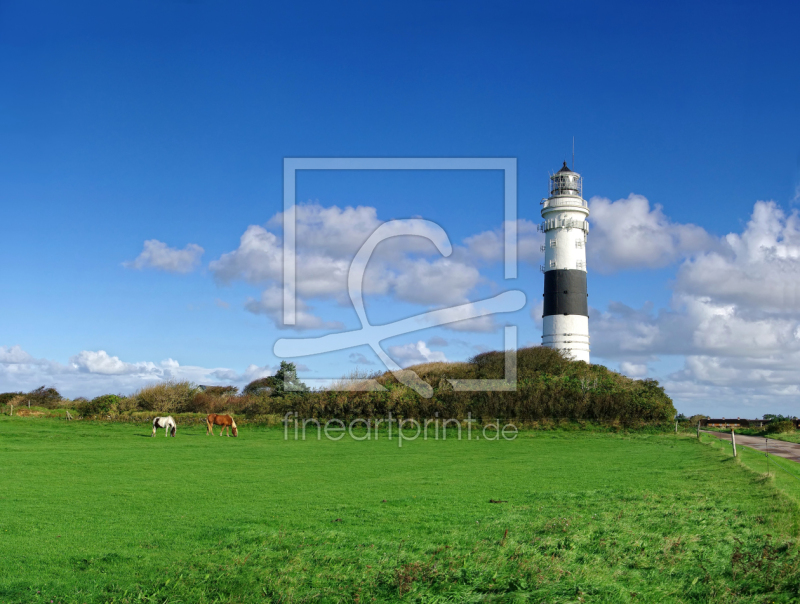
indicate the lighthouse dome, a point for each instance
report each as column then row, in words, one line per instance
column 567, row 183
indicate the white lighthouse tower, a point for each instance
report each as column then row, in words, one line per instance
column 566, row 308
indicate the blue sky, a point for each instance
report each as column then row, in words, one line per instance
column 129, row 122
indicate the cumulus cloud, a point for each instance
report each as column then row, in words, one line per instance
column 253, row 372
column 537, row 310
column 439, row 282
column 410, row 354
column 693, row 326
column 629, row 234
column 90, row 373
column 14, row 355
column 489, row 246
column 730, row 359
column 257, row 260
column 101, row 362
column 758, row 269
column 160, row 256
column 734, row 317
column 634, row 370
column 327, row 240
column 457, row 320
column 271, row 304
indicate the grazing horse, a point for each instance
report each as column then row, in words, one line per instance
column 225, row 421
column 165, row 422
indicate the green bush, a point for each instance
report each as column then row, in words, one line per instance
column 100, row 405
column 778, row 427
column 165, row 397
column 7, row 397
column 43, row 397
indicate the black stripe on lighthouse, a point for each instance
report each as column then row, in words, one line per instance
column 565, row 293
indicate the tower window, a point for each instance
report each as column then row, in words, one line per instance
column 552, row 264
column 579, row 244
column 581, row 264
column 552, row 243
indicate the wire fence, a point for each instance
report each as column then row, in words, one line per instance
column 779, row 464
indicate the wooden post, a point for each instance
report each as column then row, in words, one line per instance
column 676, row 426
column 12, row 408
column 733, row 441
column 698, row 430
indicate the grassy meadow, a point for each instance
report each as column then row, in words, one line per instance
column 100, row 512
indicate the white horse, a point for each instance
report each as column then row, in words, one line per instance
column 165, row 422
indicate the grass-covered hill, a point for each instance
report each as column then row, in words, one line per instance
column 549, row 386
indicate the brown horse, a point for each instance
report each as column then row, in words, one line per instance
column 226, row 421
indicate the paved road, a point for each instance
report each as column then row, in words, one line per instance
column 775, row 447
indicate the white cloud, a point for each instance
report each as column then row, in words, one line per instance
column 271, row 304
column 488, row 246
column 160, row 256
column 253, row 372
column 734, row 318
column 91, row 373
column 101, row 362
column 456, row 322
column 759, row 269
column 410, row 354
column 439, row 282
column 537, row 310
column 327, row 240
column 628, row 234
column 694, row 326
column 634, row 370
column 14, row 355
column 257, row 260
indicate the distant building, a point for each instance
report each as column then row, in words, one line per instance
column 734, row 423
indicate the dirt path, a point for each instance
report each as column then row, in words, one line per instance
column 775, row 447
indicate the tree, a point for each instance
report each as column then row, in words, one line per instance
column 262, row 385
column 6, row 397
column 285, row 381
column 43, row 397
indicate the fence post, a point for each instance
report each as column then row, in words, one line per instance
column 733, row 440
column 698, row 430
column 676, row 426
column 766, row 453
column 12, row 409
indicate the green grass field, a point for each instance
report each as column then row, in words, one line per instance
column 101, row 512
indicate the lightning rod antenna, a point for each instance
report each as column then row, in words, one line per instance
column 573, row 153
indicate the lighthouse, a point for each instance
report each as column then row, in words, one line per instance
column 566, row 308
